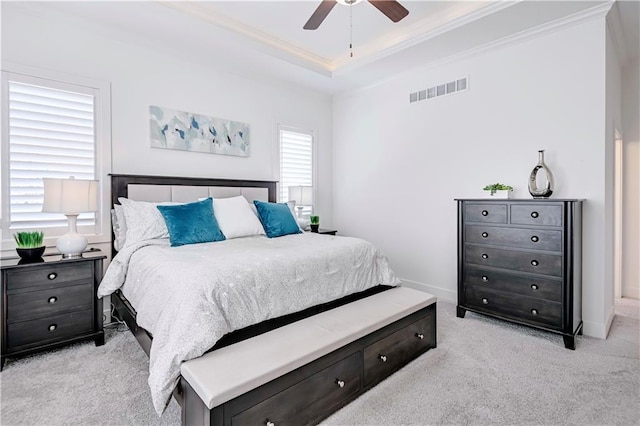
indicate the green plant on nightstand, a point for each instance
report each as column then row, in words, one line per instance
column 29, row 245
column 314, row 222
column 497, row 187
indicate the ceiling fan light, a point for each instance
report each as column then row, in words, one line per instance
column 348, row 2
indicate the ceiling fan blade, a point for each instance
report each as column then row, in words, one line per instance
column 391, row 8
column 318, row 16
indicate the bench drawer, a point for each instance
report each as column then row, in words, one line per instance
column 323, row 392
column 394, row 351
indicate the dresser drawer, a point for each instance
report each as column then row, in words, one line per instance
column 539, row 263
column 488, row 213
column 542, row 288
column 392, row 352
column 522, row 308
column 514, row 237
column 49, row 301
column 48, row 275
column 323, row 391
column 536, row 214
column 50, row 329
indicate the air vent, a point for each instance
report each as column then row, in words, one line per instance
column 438, row 90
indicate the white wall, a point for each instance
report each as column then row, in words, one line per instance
column 412, row 160
column 140, row 77
column 631, row 179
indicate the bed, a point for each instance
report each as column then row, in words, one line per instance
column 143, row 300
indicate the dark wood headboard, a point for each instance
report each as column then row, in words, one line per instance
column 120, row 186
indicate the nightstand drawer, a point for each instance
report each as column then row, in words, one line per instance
column 541, row 288
column 488, row 213
column 522, row 308
column 514, row 237
column 49, row 301
column 48, row 275
column 50, row 329
column 527, row 214
column 538, row 263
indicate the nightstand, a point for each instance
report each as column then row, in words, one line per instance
column 327, row 231
column 50, row 303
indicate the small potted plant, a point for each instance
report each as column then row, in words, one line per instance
column 314, row 221
column 498, row 190
column 29, row 245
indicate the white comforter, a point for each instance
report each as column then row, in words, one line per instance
column 188, row 297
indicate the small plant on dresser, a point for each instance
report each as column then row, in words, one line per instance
column 29, row 245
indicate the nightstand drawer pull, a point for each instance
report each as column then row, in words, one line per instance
column 534, row 263
column 485, row 256
column 535, row 239
column 485, row 213
column 534, row 215
column 485, row 301
column 52, row 300
column 534, row 311
column 383, row 358
column 534, row 287
column 269, row 423
column 53, row 327
column 340, row 383
column 485, row 235
column 485, row 278
column 420, row 336
column 52, row 276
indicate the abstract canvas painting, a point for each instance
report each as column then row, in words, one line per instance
column 186, row 131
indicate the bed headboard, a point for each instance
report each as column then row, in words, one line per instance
column 186, row 189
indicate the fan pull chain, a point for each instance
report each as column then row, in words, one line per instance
column 351, row 30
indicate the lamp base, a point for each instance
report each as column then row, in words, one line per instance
column 71, row 245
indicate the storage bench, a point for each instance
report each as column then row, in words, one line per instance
column 303, row 372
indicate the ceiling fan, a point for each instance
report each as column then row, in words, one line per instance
column 391, row 8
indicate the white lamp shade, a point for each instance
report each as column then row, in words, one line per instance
column 303, row 195
column 71, row 196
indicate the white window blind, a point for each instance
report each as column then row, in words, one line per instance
column 51, row 135
column 296, row 161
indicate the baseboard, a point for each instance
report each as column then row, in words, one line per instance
column 597, row 329
column 439, row 292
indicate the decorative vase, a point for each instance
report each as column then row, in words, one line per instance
column 314, row 227
column 533, row 182
column 30, row 254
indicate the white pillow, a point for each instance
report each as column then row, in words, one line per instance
column 144, row 220
column 119, row 227
column 235, row 217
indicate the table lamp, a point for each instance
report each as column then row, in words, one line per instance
column 70, row 197
column 303, row 195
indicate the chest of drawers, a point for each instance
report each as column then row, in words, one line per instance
column 50, row 303
column 520, row 260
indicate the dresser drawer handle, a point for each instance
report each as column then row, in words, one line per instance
column 485, row 301
column 52, row 300
column 269, row 423
column 53, row 327
column 52, row 276
column 535, row 215
column 485, row 256
column 535, row 239
column 340, row 383
column 485, row 235
column 534, row 287
column 534, row 311
column 383, row 358
column 420, row 336
column 534, row 263
column 485, row 213
column 485, row 278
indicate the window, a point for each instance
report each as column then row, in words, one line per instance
column 50, row 130
column 296, row 161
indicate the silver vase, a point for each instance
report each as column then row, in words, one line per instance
column 533, row 183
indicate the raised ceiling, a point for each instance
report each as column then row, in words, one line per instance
column 266, row 37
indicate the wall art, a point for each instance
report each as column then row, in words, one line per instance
column 186, row 131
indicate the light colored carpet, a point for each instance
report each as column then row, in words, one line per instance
column 483, row 371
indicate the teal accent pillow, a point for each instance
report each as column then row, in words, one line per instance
column 191, row 223
column 276, row 219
